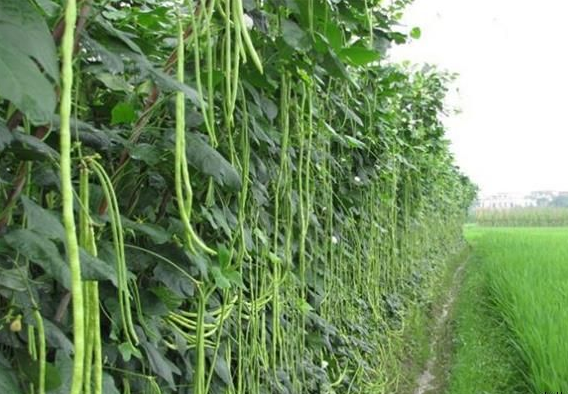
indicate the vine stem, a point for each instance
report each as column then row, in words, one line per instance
column 67, row 197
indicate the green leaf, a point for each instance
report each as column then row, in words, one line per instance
column 224, row 256
column 43, row 221
column 13, row 279
column 123, row 113
column 36, row 146
column 114, row 82
column 26, row 40
column 304, row 306
column 49, row 7
column 170, row 299
column 6, row 137
column 416, row 33
column 25, row 86
column 234, row 277
column 294, row 36
column 172, row 278
column 354, row 142
column 57, row 338
column 109, row 386
column 170, row 84
column 223, row 371
column 269, row 108
column 30, row 368
column 220, row 280
column 359, row 56
column 127, row 350
column 87, row 133
column 334, row 35
column 123, row 36
column 156, row 233
column 24, row 29
column 64, row 365
column 111, row 61
column 42, row 252
column 8, row 382
column 93, row 268
column 147, row 153
column 207, row 160
column 336, row 68
column 161, row 365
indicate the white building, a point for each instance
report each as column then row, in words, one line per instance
column 506, row 201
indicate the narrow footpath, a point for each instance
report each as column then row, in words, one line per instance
column 434, row 375
column 469, row 348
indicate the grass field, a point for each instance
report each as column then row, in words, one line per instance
column 522, row 273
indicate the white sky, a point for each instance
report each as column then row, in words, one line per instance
column 512, row 57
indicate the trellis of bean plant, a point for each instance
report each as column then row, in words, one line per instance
column 216, row 196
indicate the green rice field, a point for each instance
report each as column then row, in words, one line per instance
column 520, row 280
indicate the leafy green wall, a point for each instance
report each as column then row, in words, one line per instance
column 258, row 222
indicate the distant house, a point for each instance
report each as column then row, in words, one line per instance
column 506, row 201
column 540, row 198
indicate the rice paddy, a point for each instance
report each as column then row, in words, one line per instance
column 511, row 319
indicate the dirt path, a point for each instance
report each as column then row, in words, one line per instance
column 433, row 376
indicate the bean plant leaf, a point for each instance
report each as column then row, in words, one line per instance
column 416, row 33
column 124, row 37
column 223, row 371
column 172, row 278
column 115, row 82
column 8, row 382
column 336, row 68
column 111, row 61
column 294, row 36
column 43, row 221
column 49, row 7
column 207, row 160
column 64, row 365
column 123, row 113
column 93, row 268
column 5, row 136
column 156, row 233
column 334, row 36
column 40, row 251
column 359, row 56
column 24, row 85
column 161, row 365
column 56, row 338
column 109, row 386
column 167, row 82
column 26, row 30
column 149, row 154
column 88, row 134
column 26, row 49
column 30, row 368
column 13, row 279
column 220, row 280
column 36, row 145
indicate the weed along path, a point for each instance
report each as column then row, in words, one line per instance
column 433, row 376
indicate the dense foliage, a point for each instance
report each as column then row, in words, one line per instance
column 256, row 222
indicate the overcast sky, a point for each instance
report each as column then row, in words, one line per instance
column 512, row 57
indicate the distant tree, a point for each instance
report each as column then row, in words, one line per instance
column 559, row 201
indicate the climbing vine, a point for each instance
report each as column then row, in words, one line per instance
column 259, row 194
